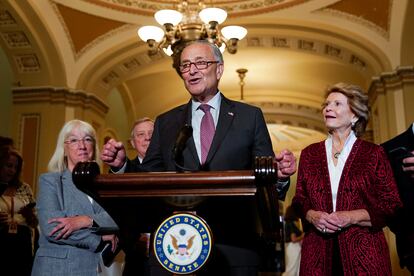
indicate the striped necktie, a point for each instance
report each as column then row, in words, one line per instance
column 207, row 130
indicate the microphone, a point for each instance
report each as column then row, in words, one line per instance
column 185, row 133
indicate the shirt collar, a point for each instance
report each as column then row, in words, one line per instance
column 350, row 140
column 214, row 102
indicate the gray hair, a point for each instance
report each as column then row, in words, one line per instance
column 140, row 121
column 216, row 51
column 58, row 162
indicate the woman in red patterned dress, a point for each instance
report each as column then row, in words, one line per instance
column 345, row 193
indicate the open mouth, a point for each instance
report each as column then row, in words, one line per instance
column 194, row 80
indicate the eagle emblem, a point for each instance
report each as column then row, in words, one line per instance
column 182, row 243
column 182, row 247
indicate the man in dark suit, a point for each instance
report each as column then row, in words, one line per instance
column 134, row 242
column 240, row 131
column 398, row 149
column 141, row 134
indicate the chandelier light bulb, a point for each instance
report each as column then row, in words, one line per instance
column 151, row 32
column 208, row 15
column 168, row 51
column 237, row 32
column 183, row 25
column 168, row 17
column 222, row 48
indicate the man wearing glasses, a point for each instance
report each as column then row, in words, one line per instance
column 226, row 135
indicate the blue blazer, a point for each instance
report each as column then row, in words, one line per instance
column 76, row 255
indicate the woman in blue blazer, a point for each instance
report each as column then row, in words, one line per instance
column 69, row 243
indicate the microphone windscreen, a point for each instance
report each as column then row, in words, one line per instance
column 184, row 134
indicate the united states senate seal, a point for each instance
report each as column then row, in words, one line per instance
column 182, row 243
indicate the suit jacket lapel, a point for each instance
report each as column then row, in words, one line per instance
column 224, row 122
column 71, row 193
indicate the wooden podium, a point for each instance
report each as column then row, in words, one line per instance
column 241, row 207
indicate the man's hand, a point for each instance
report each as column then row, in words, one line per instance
column 113, row 239
column 113, row 154
column 408, row 165
column 286, row 164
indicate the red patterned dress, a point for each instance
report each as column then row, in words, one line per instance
column 367, row 182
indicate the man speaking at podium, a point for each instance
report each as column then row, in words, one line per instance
column 209, row 133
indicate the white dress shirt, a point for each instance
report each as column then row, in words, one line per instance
column 335, row 172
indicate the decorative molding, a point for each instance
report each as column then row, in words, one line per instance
column 6, row 19
column 102, row 38
column 28, row 63
column 356, row 19
column 16, row 39
column 306, row 45
column 280, row 42
column 59, row 95
column 130, row 65
column 333, row 51
column 92, row 44
column 292, row 114
column 235, row 8
column 388, row 80
column 309, row 46
column 357, row 62
column 110, row 80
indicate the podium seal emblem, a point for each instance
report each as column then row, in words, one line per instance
column 183, row 243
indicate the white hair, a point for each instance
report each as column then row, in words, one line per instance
column 58, row 162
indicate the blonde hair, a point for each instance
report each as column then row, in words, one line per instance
column 58, row 162
column 357, row 101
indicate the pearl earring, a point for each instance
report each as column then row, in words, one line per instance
column 353, row 123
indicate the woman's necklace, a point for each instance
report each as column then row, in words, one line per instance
column 336, row 151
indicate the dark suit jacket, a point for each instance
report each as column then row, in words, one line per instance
column 241, row 134
column 403, row 224
column 133, row 165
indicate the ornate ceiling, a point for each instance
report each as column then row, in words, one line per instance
column 293, row 50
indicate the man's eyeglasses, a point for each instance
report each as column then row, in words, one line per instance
column 200, row 65
column 75, row 142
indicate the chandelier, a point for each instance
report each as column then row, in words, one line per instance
column 191, row 22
